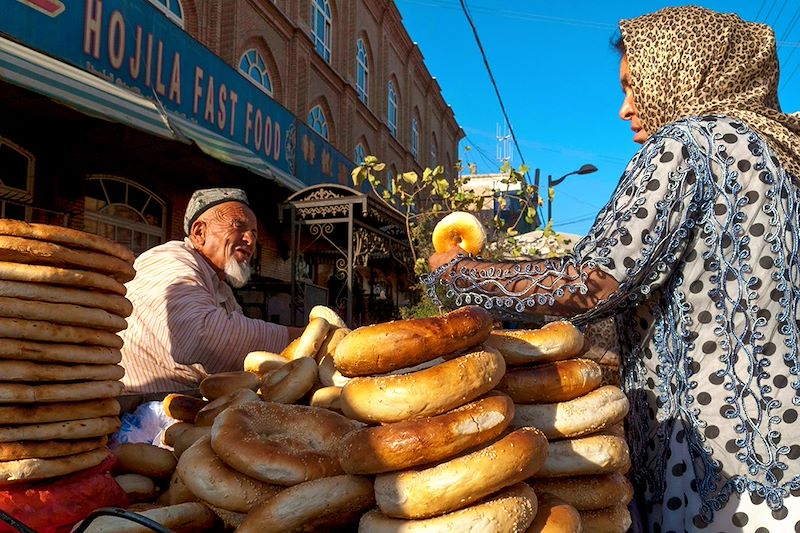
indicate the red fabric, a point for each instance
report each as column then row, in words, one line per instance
column 55, row 505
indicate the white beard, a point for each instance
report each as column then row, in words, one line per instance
column 236, row 273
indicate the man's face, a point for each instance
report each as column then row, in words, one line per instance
column 227, row 232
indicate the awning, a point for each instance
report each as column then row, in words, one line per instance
column 229, row 152
column 79, row 89
column 99, row 98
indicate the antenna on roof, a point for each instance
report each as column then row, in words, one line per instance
column 504, row 151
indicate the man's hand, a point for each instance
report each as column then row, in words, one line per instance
column 441, row 258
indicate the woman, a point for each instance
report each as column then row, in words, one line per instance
column 698, row 255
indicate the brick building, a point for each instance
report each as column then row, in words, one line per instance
column 113, row 114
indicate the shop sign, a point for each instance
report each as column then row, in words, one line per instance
column 133, row 45
column 318, row 160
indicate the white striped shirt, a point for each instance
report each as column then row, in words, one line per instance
column 186, row 323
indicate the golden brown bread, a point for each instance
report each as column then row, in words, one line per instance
column 511, row 509
column 381, row 348
column 377, row 449
column 182, row 407
column 591, row 412
column 458, row 482
column 596, row 454
column 555, row 516
column 213, row 481
column 554, row 341
column 616, row 519
column 145, row 459
column 280, row 443
column 323, row 504
column 217, row 385
column 586, row 493
column 206, row 415
column 428, row 392
column 290, row 382
column 558, row 381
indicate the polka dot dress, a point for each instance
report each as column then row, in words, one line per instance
column 702, row 235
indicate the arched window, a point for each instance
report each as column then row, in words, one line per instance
column 16, row 181
column 252, row 65
column 414, row 137
column 172, row 9
column 318, row 122
column 124, row 212
column 362, row 74
column 433, row 152
column 359, row 154
column 392, row 109
column 321, row 23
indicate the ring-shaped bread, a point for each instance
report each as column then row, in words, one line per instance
column 390, row 447
column 559, row 381
column 555, row 516
column 213, row 481
column 512, row 509
column 428, row 392
column 280, row 443
column 600, row 408
column 381, row 348
column 323, row 504
column 454, row 484
column 462, row 229
column 290, row 382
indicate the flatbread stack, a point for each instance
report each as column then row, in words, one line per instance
column 62, row 303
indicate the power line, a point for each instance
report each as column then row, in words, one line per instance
column 496, row 89
column 766, row 17
column 760, row 8
column 780, row 12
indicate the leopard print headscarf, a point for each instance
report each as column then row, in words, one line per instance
column 692, row 61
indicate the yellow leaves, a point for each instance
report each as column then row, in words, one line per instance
column 551, row 193
column 409, row 177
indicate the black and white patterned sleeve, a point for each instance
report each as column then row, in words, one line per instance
column 637, row 238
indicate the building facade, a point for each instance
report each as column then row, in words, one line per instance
column 116, row 110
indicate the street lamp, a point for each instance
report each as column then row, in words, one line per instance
column 585, row 169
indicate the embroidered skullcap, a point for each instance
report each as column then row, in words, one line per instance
column 204, row 199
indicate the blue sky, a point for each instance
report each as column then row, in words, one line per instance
column 559, row 80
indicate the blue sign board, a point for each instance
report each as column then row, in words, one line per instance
column 133, row 45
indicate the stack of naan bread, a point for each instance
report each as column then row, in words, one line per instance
column 425, row 424
column 62, row 301
column 557, row 389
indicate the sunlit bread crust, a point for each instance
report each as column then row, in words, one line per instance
column 261, row 362
column 554, row 341
column 510, row 510
column 401, row 445
column 591, row 412
column 559, row 381
column 458, row 482
column 381, row 348
column 328, row 314
column 555, row 516
column 428, row 392
column 595, row 454
column 316, row 505
column 310, row 341
column 213, row 481
column 279, row 443
column 182, row 407
column 217, row 385
column 462, row 229
column 290, row 382
column 586, row 493
column 616, row 519
column 206, row 415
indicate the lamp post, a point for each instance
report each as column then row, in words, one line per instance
column 585, row 169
